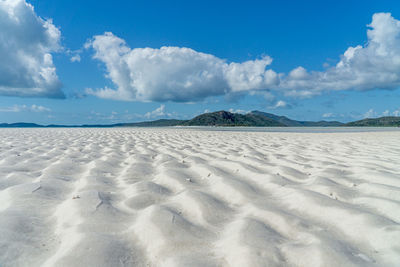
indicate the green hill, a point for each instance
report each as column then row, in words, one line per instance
column 224, row 118
column 377, row 122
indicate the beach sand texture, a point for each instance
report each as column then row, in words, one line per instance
column 181, row 197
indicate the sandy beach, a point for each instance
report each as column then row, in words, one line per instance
column 184, row 197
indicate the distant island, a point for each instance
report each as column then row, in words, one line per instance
column 229, row 119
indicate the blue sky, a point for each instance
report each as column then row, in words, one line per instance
column 215, row 56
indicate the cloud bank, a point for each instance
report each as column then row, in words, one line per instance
column 26, row 44
column 22, row 108
column 183, row 74
column 371, row 113
column 174, row 73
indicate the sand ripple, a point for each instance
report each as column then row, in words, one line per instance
column 166, row 197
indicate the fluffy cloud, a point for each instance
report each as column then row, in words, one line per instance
column 76, row 58
column 280, row 104
column 26, row 44
column 158, row 112
column 328, row 115
column 375, row 65
column 182, row 74
column 174, row 73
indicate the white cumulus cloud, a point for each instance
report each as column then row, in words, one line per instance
column 76, row 58
column 26, row 44
column 280, row 104
column 158, row 112
column 376, row 65
column 183, row 74
column 174, row 73
column 328, row 115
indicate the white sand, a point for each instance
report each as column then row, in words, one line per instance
column 166, row 197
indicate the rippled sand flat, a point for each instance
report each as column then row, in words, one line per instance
column 181, row 197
